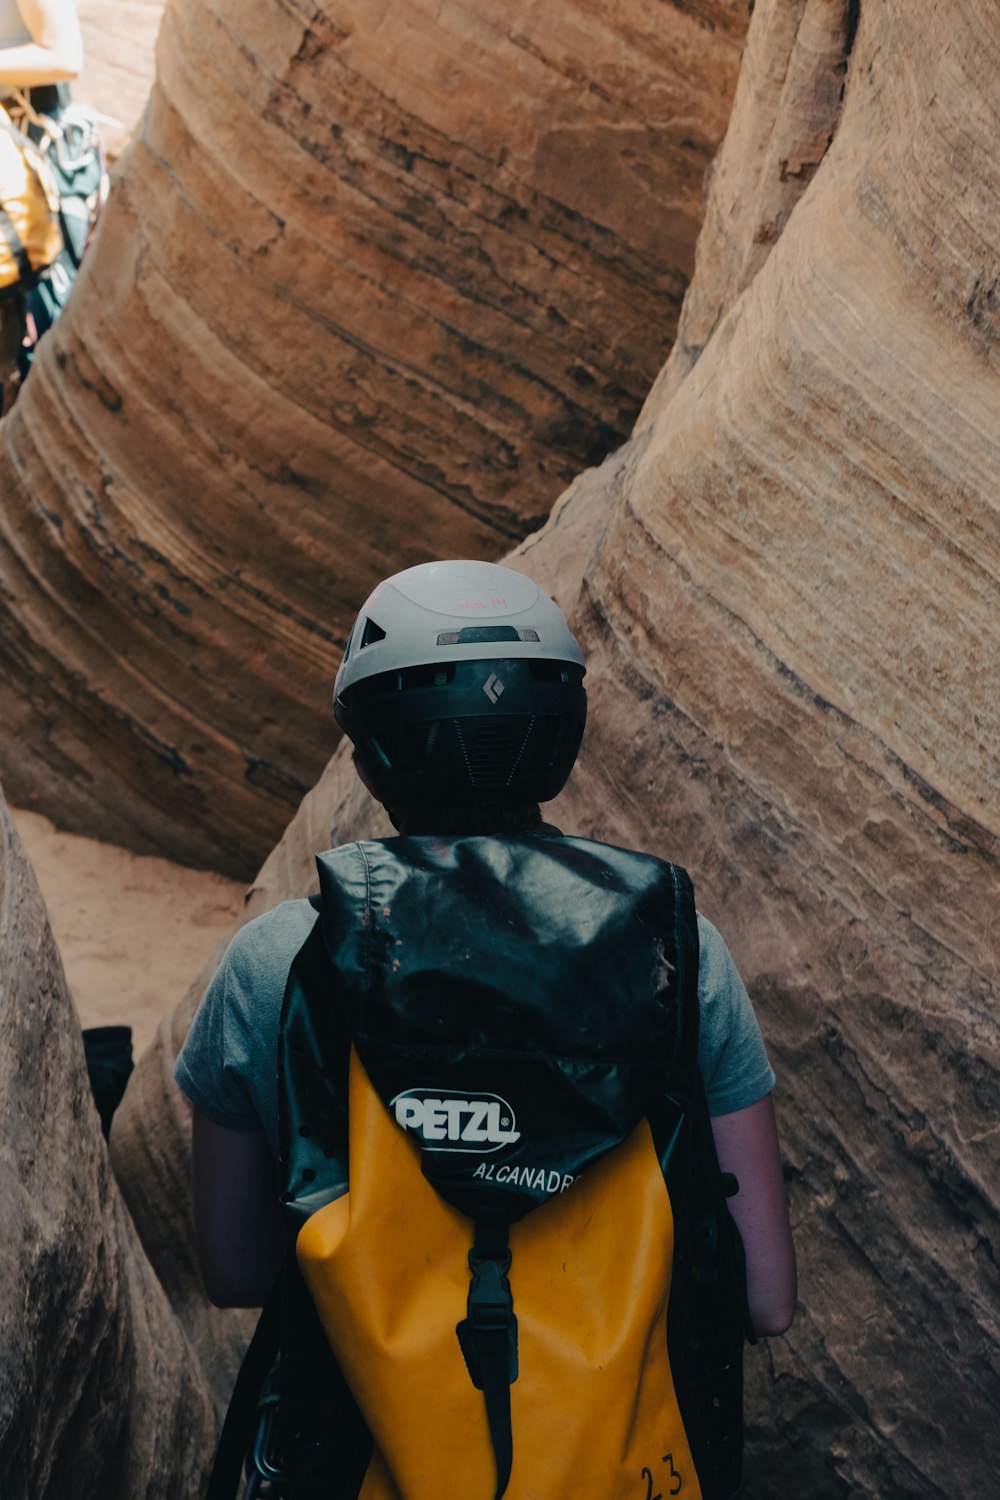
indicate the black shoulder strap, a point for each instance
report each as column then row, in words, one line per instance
column 314, row 1053
column 237, row 1429
column 320, row 1436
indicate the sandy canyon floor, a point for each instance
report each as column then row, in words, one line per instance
column 133, row 930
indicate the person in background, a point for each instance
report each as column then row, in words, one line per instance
column 41, row 50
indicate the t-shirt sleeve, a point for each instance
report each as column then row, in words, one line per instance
column 731, row 1052
column 228, row 1064
column 211, row 1068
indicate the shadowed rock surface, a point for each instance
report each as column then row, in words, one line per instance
column 150, row 1156
column 373, row 284
column 786, row 586
column 99, row 1391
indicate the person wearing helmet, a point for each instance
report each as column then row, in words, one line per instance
column 461, row 689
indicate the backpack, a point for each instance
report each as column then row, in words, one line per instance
column 30, row 238
column 516, row 1274
column 67, row 134
column 52, row 185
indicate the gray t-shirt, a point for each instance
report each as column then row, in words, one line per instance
column 228, row 1065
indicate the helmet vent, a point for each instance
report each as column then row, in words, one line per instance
column 484, row 635
column 493, row 749
column 372, row 633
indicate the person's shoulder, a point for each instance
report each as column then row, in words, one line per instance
column 272, row 936
column 718, row 977
column 710, row 938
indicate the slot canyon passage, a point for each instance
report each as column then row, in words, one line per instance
column 377, row 283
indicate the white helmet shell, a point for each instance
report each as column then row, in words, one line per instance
column 416, row 616
column 462, row 685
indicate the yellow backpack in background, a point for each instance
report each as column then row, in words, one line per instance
column 30, row 237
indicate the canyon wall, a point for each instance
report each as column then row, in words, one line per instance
column 100, row 1392
column 792, row 627
column 372, row 285
column 786, row 585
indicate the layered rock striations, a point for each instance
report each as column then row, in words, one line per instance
column 794, row 612
column 100, row 1393
column 786, row 585
column 373, row 284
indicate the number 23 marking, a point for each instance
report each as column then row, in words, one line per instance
column 676, row 1482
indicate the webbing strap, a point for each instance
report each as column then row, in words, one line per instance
column 238, row 1428
column 488, row 1339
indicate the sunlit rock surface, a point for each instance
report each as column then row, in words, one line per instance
column 373, row 284
column 99, row 1391
column 786, row 587
column 119, row 39
column 792, row 625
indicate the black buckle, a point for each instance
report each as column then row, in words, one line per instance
column 490, row 1322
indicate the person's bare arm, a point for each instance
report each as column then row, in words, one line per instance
column 55, row 52
column 238, row 1226
column 747, row 1143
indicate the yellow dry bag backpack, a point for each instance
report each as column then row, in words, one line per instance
column 30, row 237
column 515, row 1272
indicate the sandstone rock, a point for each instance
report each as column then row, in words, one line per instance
column 792, row 627
column 786, row 585
column 118, row 63
column 792, row 85
column 99, row 1392
column 372, row 285
column 151, row 1159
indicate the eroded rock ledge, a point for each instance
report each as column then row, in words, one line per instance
column 373, row 285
